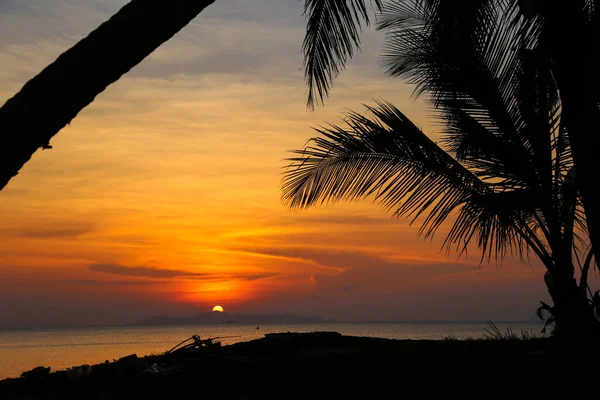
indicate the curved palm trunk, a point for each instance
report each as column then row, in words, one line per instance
column 53, row 98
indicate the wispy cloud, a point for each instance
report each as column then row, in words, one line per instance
column 351, row 287
column 164, row 273
column 255, row 277
column 327, row 258
column 146, row 272
column 56, row 233
column 132, row 282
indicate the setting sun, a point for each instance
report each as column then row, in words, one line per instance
column 217, row 309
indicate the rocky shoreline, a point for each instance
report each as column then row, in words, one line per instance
column 327, row 365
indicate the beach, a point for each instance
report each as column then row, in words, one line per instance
column 62, row 348
column 328, row 365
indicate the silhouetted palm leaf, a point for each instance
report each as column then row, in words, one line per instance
column 390, row 159
column 332, row 35
column 455, row 67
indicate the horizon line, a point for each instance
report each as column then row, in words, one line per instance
column 325, row 321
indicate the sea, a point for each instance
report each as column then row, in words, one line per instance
column 24, row 349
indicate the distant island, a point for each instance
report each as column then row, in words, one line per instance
column 233, row 318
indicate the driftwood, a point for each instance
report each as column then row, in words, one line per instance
column 196, row 343
column 50, row 100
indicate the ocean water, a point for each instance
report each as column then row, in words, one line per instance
column 22, row 350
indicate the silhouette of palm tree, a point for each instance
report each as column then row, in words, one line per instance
column 565, row 33
column 504, row 167
column 49, row 101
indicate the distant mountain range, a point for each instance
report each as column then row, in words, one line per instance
column 232, row 318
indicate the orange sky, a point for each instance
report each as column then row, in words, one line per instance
column 163, row 195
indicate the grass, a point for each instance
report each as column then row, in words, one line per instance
column 494, row 333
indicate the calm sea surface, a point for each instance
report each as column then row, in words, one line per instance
column 21, row 350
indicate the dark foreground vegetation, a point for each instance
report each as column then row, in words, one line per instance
column 327, row 365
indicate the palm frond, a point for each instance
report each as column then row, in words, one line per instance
column 463, row 55
column 332, row 36
column 501, row 222
column 390, row 160
column 491, row 87
column 403, row 14
column 591, row 8
column 488, row 155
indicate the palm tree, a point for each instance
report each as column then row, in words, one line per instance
column 569, row 33
column 504, row 168
column 566, row 33
column 50, row 100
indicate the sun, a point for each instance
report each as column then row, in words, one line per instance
column 217, row 309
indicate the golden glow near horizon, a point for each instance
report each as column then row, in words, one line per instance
column 164, row 194
column 217, row 309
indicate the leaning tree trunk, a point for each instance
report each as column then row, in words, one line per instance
column 53, row 98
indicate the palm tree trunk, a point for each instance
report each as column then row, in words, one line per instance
column 568, row 44
column 53, row 98
column 582, row 119
column 574, row 315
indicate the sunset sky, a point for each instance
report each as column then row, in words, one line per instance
column 163, row 196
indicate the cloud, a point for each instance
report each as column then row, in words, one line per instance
column 133, row 282
column 303, row 259
column 328, row 258
column 351, row 287
column 373, row 271
column 56, row 233
column 240, row 277
column 163, row 273
column 23, row 20
column 146, row 272
column 335, row 217
column 255, row 277
column 15, row 6
column 16, row 192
